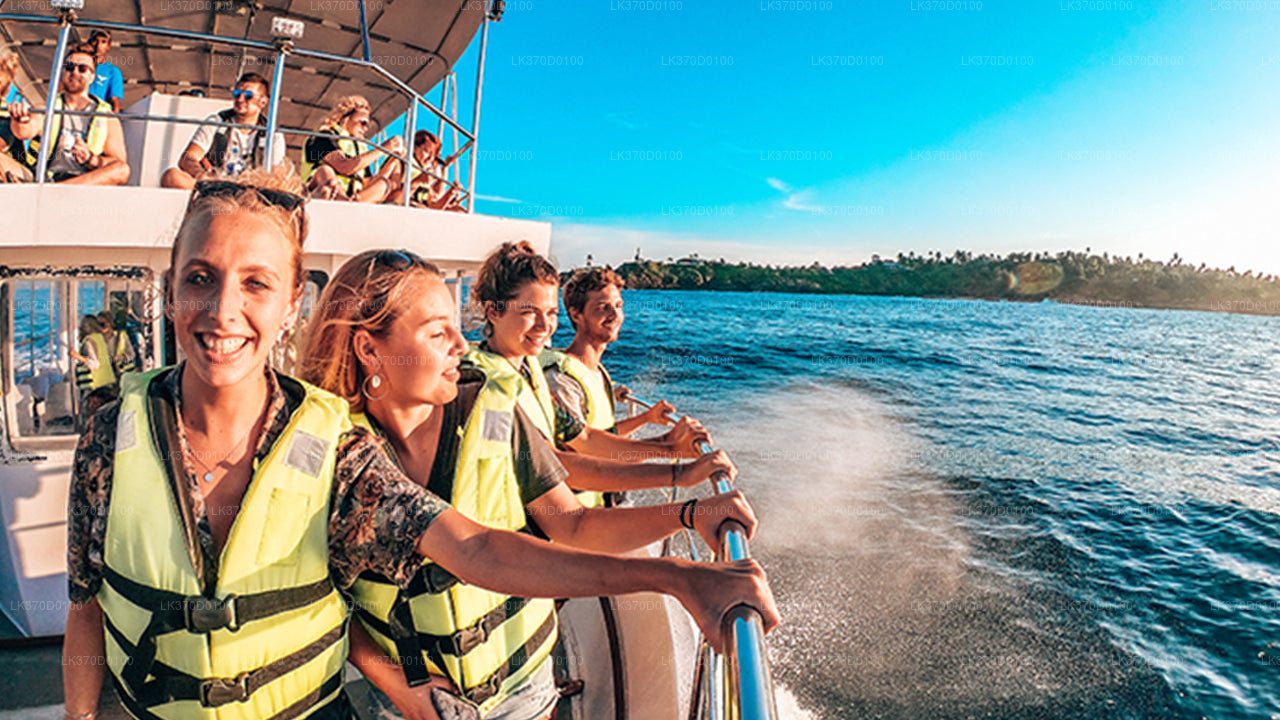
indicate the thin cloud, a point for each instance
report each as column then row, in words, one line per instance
column 778, row 185
column 499, row 198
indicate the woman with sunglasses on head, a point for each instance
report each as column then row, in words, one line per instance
column 219, row 507
column 384, row 338
column 336, row 168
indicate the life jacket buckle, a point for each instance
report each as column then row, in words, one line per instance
column 220, row 691
column 464, row 641
column 486, row 689
column 204, row 615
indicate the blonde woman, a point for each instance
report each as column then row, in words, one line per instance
column 220, row 508
column 336, row 168
column 384, row 337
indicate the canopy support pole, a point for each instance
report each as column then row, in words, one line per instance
column 48, row 144
column 273, row 110
column 475, row 116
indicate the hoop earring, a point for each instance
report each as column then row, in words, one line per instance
column 373, row 381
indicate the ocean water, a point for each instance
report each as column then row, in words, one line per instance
column 994, row 510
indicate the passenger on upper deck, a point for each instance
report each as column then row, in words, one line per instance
column 89, row 149
column 334, row 168
column 229, row 151
column 13, row 152
column 429, row 188
column 108, row 81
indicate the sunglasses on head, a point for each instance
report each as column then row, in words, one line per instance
column 72, row 67
column 396, row 260
column 223, row 188
column 246, row 94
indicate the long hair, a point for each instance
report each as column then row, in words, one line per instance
column 504, row 273
column 8, row 68
column 367, row 293
column 345, row 107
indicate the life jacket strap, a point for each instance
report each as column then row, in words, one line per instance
column 169, row 684
column 172, row 611
column 200, row 615
column 491, row 685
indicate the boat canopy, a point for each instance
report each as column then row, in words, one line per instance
column 418, row 41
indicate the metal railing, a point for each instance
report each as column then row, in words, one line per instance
column 739, row 685
column 282, row 48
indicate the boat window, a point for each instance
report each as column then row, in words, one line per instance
column 44, row 317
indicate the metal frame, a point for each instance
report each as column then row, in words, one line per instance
column 737, row 685
column 281, row 50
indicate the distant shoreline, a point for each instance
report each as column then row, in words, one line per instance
column 1068, row 278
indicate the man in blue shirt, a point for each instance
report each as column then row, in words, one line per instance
column 108, row 82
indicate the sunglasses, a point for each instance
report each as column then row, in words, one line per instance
column 72, row 67
column 224, row 188
column 396, row 260
column 363, row 123
column 246, row 94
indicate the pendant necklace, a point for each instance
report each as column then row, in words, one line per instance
column 208, row 474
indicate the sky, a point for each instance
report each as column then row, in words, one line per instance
column 794, row 131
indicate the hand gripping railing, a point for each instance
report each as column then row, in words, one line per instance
column 739, row 686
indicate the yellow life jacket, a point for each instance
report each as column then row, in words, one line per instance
column 598, row 387
column 87, row 379
column 270, row 638
column 128, row 365
column 351, row 183
column 533, row 397
column 598, row 390
column 486, row 642
column 97, row 139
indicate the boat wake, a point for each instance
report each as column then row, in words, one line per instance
column 893, row 607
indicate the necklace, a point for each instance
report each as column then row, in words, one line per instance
column 208, row 474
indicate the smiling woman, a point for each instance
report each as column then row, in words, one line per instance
column 219, row 509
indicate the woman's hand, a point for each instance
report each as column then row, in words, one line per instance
column 710, row 513
column 415, row 702
column 686, row 437
column 690, row 474
column 715, row 588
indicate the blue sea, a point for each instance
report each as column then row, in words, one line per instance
column 994, row 510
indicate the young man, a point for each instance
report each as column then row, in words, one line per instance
column 579, row 382
column 85, row 149
column 232, row 150
column 108, row 81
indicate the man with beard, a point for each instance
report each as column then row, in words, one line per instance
column 578, row 381
column 229, row 150
column 84, row 149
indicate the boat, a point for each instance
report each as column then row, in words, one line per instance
column 66, row 251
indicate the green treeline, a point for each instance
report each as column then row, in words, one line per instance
column 1070, row 277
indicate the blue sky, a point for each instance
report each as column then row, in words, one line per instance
column 829, row 130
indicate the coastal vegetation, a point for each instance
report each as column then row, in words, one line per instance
column 1068, row 277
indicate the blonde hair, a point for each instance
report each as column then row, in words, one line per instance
column 8, row 68
column 293, row 224
column 345, row 107
column 367, row 293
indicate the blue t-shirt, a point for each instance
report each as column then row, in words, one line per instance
column 108, row 82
